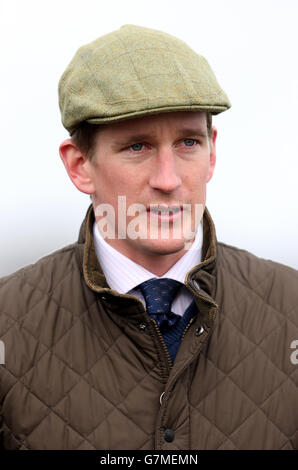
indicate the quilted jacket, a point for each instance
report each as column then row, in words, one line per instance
column 86, row 368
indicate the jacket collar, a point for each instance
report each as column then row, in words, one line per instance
column 203, row 275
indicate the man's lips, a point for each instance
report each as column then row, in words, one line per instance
column 164, row 212
column 164, row 207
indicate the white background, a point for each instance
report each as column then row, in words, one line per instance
column 252, row 48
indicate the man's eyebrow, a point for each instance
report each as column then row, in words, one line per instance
column 196, row 132
column 132, row 138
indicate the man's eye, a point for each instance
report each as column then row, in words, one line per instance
column 136, row 147
column 189, row 142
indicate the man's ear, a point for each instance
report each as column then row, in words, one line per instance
column 212, row 161
column 77, row 166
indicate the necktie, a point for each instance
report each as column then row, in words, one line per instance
column 159, row 295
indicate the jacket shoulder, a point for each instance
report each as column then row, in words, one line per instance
column 232, row 256
column 275, row 283
column 23, row 289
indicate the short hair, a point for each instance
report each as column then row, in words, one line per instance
column 84, row 137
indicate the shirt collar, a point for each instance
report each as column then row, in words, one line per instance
column 123, row 274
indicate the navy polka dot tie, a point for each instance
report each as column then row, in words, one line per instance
column 159, row 295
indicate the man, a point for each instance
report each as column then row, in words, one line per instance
column 147, row 333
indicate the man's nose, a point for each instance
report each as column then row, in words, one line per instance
column 164, row 175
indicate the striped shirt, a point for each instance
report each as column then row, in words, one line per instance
column 124, row 275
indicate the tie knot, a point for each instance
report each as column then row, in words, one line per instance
column 159, row 294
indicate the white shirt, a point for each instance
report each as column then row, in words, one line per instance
column 124, row 275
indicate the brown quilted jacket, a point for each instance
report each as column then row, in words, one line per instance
column 86, row 368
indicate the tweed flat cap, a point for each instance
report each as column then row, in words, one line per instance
column 136, row 71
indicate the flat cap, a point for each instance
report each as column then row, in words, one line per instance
column 136, row 71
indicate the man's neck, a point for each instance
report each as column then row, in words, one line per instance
column 156, row 263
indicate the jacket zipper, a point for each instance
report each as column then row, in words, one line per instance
column 170, row 364
column 187, row 327
column 163, row 341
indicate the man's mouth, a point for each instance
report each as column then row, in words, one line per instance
column 164, row 212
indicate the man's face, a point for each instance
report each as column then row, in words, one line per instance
column 163, row 160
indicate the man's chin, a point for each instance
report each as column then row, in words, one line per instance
column 161, row 247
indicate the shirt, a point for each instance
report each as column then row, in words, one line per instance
column 124, row 275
